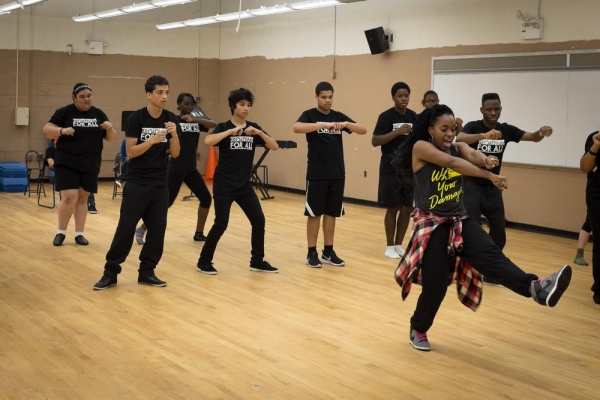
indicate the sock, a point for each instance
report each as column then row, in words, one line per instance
column 64, row 232
column 328, row 249
column 78, row 234
column 312, row 249
column 579, row 253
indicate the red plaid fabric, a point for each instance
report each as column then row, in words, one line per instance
column 468, row 281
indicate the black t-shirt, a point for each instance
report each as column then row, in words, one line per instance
column 236, row 155
column 189, row 135
column 439, row 190
column 389, row 121
column 83, row 150
column 493, row 147
column 592, row 190
column 325, row 148
column 151, row 167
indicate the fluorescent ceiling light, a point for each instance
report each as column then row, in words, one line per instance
column 277, row 9
column 309, row 5
column 16, row 4
column 232, row 16
column 133, row 8
column 257, row 12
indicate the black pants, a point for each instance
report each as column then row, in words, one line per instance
column 478, row 250
column 250, row 205
column 150, row 204
column 194, row 181
column 594, row 215
column 486, row 199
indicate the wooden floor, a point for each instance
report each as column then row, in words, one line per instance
column 330, row 333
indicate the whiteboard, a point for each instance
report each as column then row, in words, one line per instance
column 566, row 100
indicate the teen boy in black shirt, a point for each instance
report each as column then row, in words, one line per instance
column 152, row 130
column 491, row 137
column 325, row 173
column 237, row 140
column 395, row 192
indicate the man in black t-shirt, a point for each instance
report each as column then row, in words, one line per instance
column 151, row 131
column 325, row 173
column 589, row 164
column 237, row 140
column 395, row 192
column 491, row 137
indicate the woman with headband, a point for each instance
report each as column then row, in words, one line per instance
column 80, row 128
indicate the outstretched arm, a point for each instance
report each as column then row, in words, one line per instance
column 470, row 138
column 537, row 135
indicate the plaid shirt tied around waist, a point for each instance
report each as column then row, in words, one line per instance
column 468, row 281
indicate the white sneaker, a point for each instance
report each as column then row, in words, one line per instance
column 389, row 253
column 400, row 250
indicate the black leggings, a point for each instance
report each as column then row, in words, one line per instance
column 594, row 215
column 250, row 205
column 478, row 250
column 194, row 181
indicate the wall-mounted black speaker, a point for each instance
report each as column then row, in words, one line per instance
column 125, row 120
column 377, row 40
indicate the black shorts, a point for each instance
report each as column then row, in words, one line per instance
column 69, row 178
column 325, row 197
column 395, row 191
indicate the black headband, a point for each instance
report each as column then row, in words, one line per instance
column 80, row 88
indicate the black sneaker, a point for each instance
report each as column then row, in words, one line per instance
column 105, row 282
column 151, row 280
column 312, row 260
column 597, row 298
column 79, row 239
column 58, row 239
column 92, row 209
column 548, row 291
column 199, row 237
column 333, row 259
column 264, row 266
column 206, row 268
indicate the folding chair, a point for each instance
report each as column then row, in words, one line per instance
column 47, row 173
column 35, row 168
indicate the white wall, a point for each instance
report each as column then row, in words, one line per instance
column 414, row 23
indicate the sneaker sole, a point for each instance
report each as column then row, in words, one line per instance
column 324, row 261
column 263, row 270
column 313, row 266
column 207, row 272
column 563, row 280
column 419, row 347
column 153, row 284
column 103, row 288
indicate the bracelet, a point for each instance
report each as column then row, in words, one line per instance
column 592, row 152
column 60, row 132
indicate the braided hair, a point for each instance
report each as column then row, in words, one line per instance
column 420, row 131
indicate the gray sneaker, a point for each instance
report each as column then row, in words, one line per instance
column 419, row 341
column 547, row 291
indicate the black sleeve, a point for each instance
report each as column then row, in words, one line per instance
column 306, row 118
column 382, row 126
column 221, row 127
column 589, row 142
column 103, row 118
column 470, row 127
column 134, row 125
column 514, row 134
column 58, row 118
